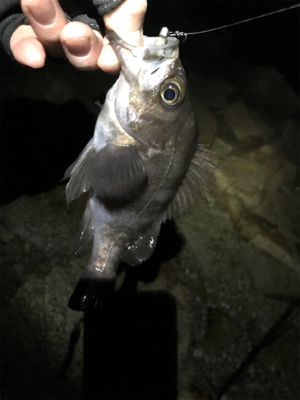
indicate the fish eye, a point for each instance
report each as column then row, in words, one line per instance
column 172, row 91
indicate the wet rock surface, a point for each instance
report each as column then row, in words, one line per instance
column 216, row 306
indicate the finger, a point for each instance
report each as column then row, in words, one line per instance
column 127, row 21
column 108, row 60
column 47, row 19
column 81, row 45
column 26, row 48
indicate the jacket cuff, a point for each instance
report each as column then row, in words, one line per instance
column 106, row 6
column 7, row 27
column 91, row 22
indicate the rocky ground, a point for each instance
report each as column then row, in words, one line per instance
column 230, row 266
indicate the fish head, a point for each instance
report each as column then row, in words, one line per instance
column 151, row 94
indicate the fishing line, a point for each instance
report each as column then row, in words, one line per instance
column 183, row 35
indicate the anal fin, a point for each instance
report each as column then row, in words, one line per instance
column 142, row 248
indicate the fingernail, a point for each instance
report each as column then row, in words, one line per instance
column 44, row 13
column 79, row 47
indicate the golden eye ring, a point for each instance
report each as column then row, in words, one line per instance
column 172, row 92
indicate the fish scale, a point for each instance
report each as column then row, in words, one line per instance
column 136, row 168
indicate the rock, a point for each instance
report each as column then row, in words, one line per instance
column 221, row 148
column 179, row 292
column 270, row 276
column 289, row 172
column 287, row 139
column 219, row 331
column 184, row 333
column 208, row 233
column 284, row 351
column 250, row 175
column 197, row 353
column 39, row 286
column 206, row 121
column 5, row 235
column 246, row 123
column 277, row 246
column 238, row 177
column 281, row 211
column 269, row 91
column 186, row 395
column 199, row 287
column 213, row 92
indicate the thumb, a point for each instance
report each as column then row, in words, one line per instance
column 26, row 47
column 127, row 21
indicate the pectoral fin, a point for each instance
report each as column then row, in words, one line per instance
column 86, row 232
column 117, row 175
column 79, row 181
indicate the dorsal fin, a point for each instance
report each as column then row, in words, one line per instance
column 193, row 183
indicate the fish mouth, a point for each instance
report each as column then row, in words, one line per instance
column 151, row 43
column 119, row 44
column 153, row 49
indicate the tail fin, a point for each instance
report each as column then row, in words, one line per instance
column 98, row 278
column 91, row 292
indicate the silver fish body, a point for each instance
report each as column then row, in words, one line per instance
column 142, row 166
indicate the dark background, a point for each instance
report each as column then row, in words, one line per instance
column 269, row 41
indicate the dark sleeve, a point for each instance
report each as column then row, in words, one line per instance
column 106, row 6
column 10, row 18
column 88, row 11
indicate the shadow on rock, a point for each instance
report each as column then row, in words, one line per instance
column 130, row 343
column 130, row 336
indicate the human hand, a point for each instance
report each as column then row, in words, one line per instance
column 49, row 31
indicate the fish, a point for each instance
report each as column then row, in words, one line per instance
column 144, row 164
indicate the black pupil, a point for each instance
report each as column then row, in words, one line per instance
column 169, row 94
